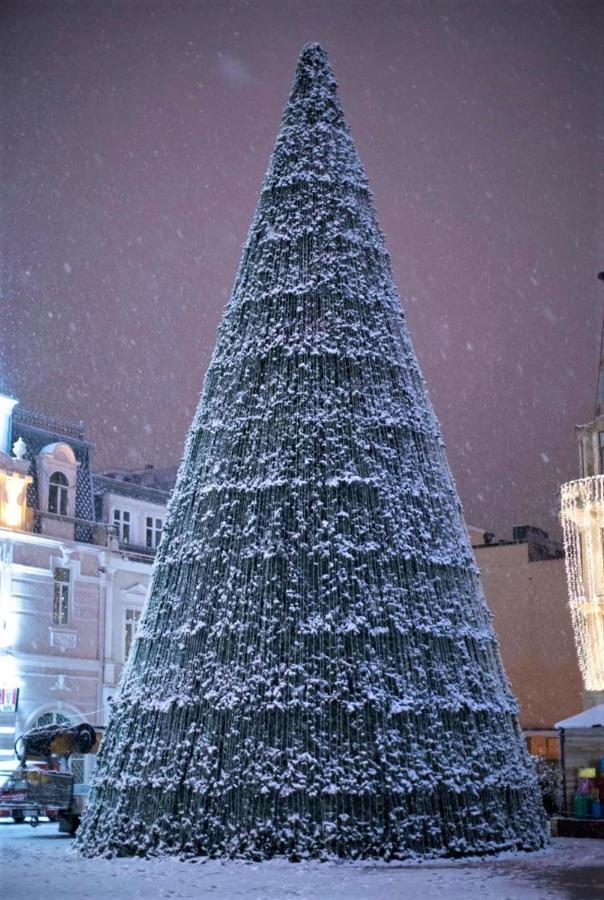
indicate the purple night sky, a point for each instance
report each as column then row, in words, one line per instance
column 135, row 138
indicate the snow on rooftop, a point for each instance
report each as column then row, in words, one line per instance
column 590, row 718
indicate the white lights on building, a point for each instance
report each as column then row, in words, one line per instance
column 582, row 516
column 13, row 502
column 7, row 404
column 14, row 475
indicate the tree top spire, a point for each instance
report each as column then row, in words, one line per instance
column 314, row 148
column 313, row 69
column 313, row 53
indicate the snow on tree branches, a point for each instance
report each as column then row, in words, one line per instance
column 315, row 673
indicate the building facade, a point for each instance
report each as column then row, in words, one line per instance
column 525, row 586
column 76, row 552
column 135, row 512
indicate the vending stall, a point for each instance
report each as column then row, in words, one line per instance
column 582, row 761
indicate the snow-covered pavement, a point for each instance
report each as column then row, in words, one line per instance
column 40, row 863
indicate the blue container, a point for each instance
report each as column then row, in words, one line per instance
column 596, row 809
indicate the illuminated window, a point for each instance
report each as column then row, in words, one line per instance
column 57, row 494
column 121, row 520
column 153, row 531
column 543, row 745
column 13, row 499
column 60, row 599
column 132, row 617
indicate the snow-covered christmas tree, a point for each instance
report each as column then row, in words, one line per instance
column 316, row 672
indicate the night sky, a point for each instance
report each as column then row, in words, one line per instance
column 135, row 135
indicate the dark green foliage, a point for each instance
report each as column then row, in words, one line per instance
column 316, row 673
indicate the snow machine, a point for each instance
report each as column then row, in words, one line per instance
column 47, row 786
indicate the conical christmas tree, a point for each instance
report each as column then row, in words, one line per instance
column 315, row 672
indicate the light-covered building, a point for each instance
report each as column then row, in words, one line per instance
column 582, row 513
column 76, row 551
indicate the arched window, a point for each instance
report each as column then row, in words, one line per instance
column 57, row 494
column 76, row 760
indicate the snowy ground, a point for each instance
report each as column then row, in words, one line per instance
column 36, row 864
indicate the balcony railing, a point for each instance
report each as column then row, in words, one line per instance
column 137, row 550
column 86, row 530
column 100, row 534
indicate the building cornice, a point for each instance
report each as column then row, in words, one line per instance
column 30, row 537
column 56, row 662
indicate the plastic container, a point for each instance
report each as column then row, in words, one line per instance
column 582, row 806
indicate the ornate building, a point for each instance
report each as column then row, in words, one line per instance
column 75, row 555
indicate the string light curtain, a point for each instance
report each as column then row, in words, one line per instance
column 582, row 513
column 315, row 673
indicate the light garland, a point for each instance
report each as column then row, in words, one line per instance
column 582, row 513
